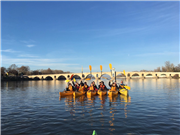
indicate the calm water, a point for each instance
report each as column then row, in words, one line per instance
column 34, row 107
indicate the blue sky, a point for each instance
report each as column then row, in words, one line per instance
column 68, row 35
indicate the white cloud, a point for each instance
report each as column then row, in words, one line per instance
column 9, row 51
column 40, row 63
column 27, row 55
column 30, row 45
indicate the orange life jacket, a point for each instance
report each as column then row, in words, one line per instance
column 70, row 88
column 85, row 86
column 81, row 88
column 102, row 87
column 113, row 88
column 91, row 88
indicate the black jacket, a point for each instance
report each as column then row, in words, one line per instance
column 111, row 85
column 67, row 89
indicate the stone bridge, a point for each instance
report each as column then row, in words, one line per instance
column 98, row 75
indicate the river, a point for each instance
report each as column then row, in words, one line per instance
column 34, row 107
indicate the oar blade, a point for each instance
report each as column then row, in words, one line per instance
column 67, row 80
column 110, row 66
column 101, row 67
column 124, row 72
column 90, row 67
column 71, row 76
column 127, row 87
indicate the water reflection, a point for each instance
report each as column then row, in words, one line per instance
column 155, row 100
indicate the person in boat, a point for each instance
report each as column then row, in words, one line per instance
column 121, row 86
column 113, row 87
column 110, row 85
column 92, row 87
column 102, row 86
column 81, row 82
column 81, row 87
column 86, row 86
column 99, row 85
column 70, row 87
column 76, row 86
column 94, row 84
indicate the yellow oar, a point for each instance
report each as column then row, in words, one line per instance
column 124, row 72
column 127, row 87
column 67, row 80
column 74, row 80
column 110, row 66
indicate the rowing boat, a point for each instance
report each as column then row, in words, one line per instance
column 66, row 93
column 100, row 92
column 112, row 93
column 91, row 93
column 78, row 93
column 123, row 92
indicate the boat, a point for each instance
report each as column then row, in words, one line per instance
column 78, row 93
column 112, row 93
column 91, row 93
column 123, row 92
column 66, row 93
column 88, row 79
column 100, row 92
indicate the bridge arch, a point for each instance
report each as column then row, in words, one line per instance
column 105, row 76
column 176, row 76
column 135, row 75
column 61, row 77
column 48, row 78
column 90, row 76
column 36, row 78
column 76, row 77
column 149, row 75
column 163, row 75
column 120, row 75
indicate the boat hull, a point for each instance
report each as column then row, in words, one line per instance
column 66, row 93
column 123, row 92
column 79, row 93
column 101, row 93
column 112, row 93
column 91, row 93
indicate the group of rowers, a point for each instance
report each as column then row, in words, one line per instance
column 84, row 87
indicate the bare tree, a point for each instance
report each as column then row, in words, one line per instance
column 12, row 67
column 158, row 69
column 24, row 69
column 164, row 69
column 3, row 70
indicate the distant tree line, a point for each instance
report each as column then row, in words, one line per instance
column 168, row 67
column 25, row 70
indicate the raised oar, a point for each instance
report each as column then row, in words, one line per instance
column 127, row 87
column 110, row 66
column 71, row 76
column 67, row 80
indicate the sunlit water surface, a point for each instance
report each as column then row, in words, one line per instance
column 34, row 107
